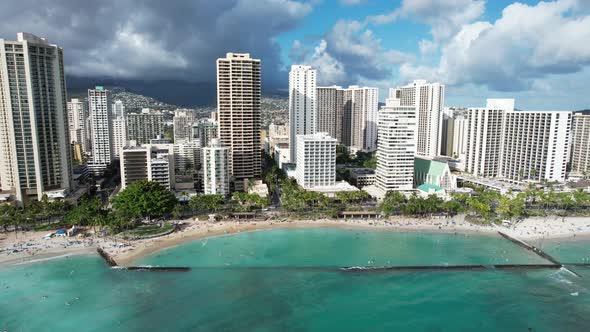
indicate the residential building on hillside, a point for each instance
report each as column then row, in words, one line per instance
column 183, row 125
column 144, row 126
column 238, row 113
column 118, row 109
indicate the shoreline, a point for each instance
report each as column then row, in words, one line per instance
column 126, row 252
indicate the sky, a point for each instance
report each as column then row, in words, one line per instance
column 536, row 52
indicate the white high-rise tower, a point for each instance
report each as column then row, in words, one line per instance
column 302, row 105
column 35, row 157
column 396, row 146
column 100, row 107
column 428, row 99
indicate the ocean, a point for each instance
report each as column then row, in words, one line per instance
column 289, row 280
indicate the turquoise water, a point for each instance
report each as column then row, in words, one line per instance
column 250, row 282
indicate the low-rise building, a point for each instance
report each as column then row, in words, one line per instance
column 432, row 172
column 362, row 177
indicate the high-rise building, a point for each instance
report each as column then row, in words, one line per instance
column 119, row 134
column 35, row 154
column 329, row 111
column 580, row 160
column 484, row 137
column 518, row 145
column 205, row 130
column 216, row 174
column 147, row 162
column 454, row 134
column 187, row 157
column 396, row 146
column 238, row 113
column 360, row 110
column 316, row 161
column 78, row 121
column 536, row 145
column 349, row 114
column 101, row 115
column 428, row 99
column 118, row 109
column 144, row 126
column 302, row 104
column 183, row 124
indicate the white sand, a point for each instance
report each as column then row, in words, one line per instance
column 30, row 246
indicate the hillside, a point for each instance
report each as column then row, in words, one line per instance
column 274, row 107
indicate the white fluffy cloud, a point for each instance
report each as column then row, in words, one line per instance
column 526, row 44
column 444, row 17
column 354, row 52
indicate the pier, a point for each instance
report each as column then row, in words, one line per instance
column 538, row 251
column 552, row 265
column 112, row 263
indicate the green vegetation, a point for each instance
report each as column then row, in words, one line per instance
column 489, row 205
column 169, row 133
column 271, row 173
column 145, row 199
column 295, row 199
column 361, row 159
column 206, row 203
column 243, row 202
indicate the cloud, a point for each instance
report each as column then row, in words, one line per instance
column 351, row 2
column 330, row 70
column 445, row 17
column 513, row 53
column 354, row 52
column 156, row 40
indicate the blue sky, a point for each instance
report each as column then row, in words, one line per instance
column 524, row 69
column 536, row 52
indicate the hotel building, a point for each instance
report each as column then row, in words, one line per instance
column 302, row 105
column 238, row 113
column 216, row 176
column 316, row 161
column 396, row 146
column 35, row 154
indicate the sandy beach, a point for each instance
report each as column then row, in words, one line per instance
column 30, row 247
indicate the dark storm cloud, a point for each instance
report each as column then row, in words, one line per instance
column 156, row 39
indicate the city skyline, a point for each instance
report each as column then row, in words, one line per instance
column 369, row 43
